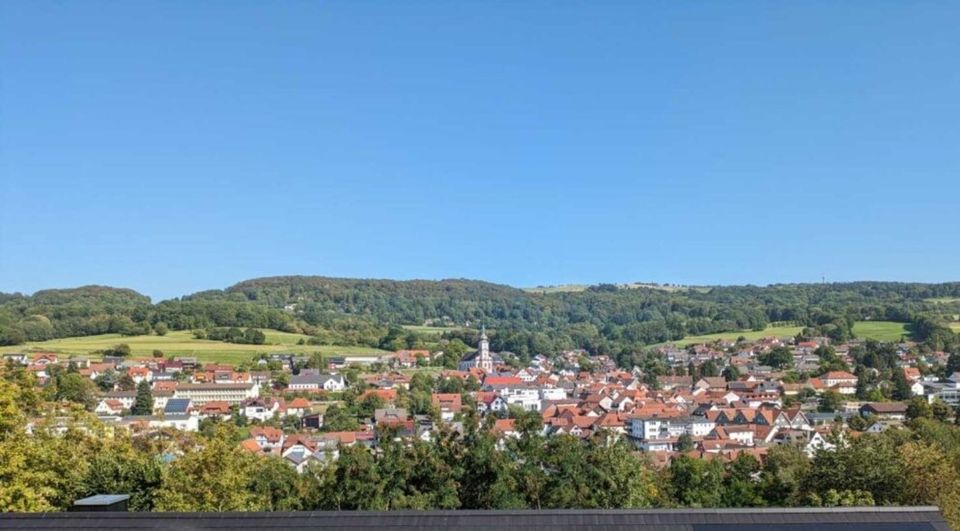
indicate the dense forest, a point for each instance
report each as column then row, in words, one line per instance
column 603, row 319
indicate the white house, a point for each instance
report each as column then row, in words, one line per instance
column 553, row 393
column 490, row 402
column 660, row 433
column 267, row 437
column 845, row 382
column 313, row 380
column 109, row 406
column 949, row 392
column 741, row 434
column 260, row 409
column 126, row 398
column 525, row 397
column 817, row 442
column 180, row 422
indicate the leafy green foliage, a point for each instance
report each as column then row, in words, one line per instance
column 608, row 320
column 143, row 404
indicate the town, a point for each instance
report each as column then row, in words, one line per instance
column 718, row 401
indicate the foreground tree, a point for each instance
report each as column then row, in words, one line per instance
column 216, row 476
column 782, row 478
column 277, row 485
column 930, row 479
column 120, row 468
column 866, row 464
column 696, row 482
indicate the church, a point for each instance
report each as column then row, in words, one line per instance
column 481, row 358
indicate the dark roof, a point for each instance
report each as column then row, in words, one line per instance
column 472, row 355
column 806, row 519
column 177, row 405
column 885, row 407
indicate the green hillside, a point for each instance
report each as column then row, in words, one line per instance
column 750, row 335
column 184, row 344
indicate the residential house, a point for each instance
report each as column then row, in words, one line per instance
column 885, row 410
column 298, row 407
column 311, row 380
column 218, row 409
column 449, row 404
column 109, row 406
column 261, row 409
column 844, row 382
column 268, row 438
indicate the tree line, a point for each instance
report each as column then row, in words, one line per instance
column 357, row 312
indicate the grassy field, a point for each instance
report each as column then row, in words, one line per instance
column 568, row 288
column 563, row 288
column 880, row 330
column 770, row 331
column 955, row 327
column 944, row 300
column 182, row 343
column 431, row 330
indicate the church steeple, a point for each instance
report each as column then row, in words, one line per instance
column 484, row 359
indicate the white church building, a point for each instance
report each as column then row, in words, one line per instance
column 481, row 358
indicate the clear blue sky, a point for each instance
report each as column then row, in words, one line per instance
column 173, row 146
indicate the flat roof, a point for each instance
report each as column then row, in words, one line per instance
column 102, row 499
column 793, row 519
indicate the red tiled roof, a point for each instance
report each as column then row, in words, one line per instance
column 838, row 375
column 217, row 406
column 298, row 403
column 451, row 401
column 270, row 433
column 502, row 380
column 251, row 445
column 388, row 395
column 504, row 426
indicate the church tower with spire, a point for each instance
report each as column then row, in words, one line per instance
column 484, row 359
column 481, row 358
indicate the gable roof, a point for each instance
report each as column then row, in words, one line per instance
column 299, row 403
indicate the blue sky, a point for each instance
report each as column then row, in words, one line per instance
column 176, row 146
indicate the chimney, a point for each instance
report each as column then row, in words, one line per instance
column 102, row 503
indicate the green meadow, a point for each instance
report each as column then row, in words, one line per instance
column 431, row 330
column 880, row 330
column 750, row 335
column 182, row 343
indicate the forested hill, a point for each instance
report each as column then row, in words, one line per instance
column 720, row 308
column 387, row 301
column 602, row 318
